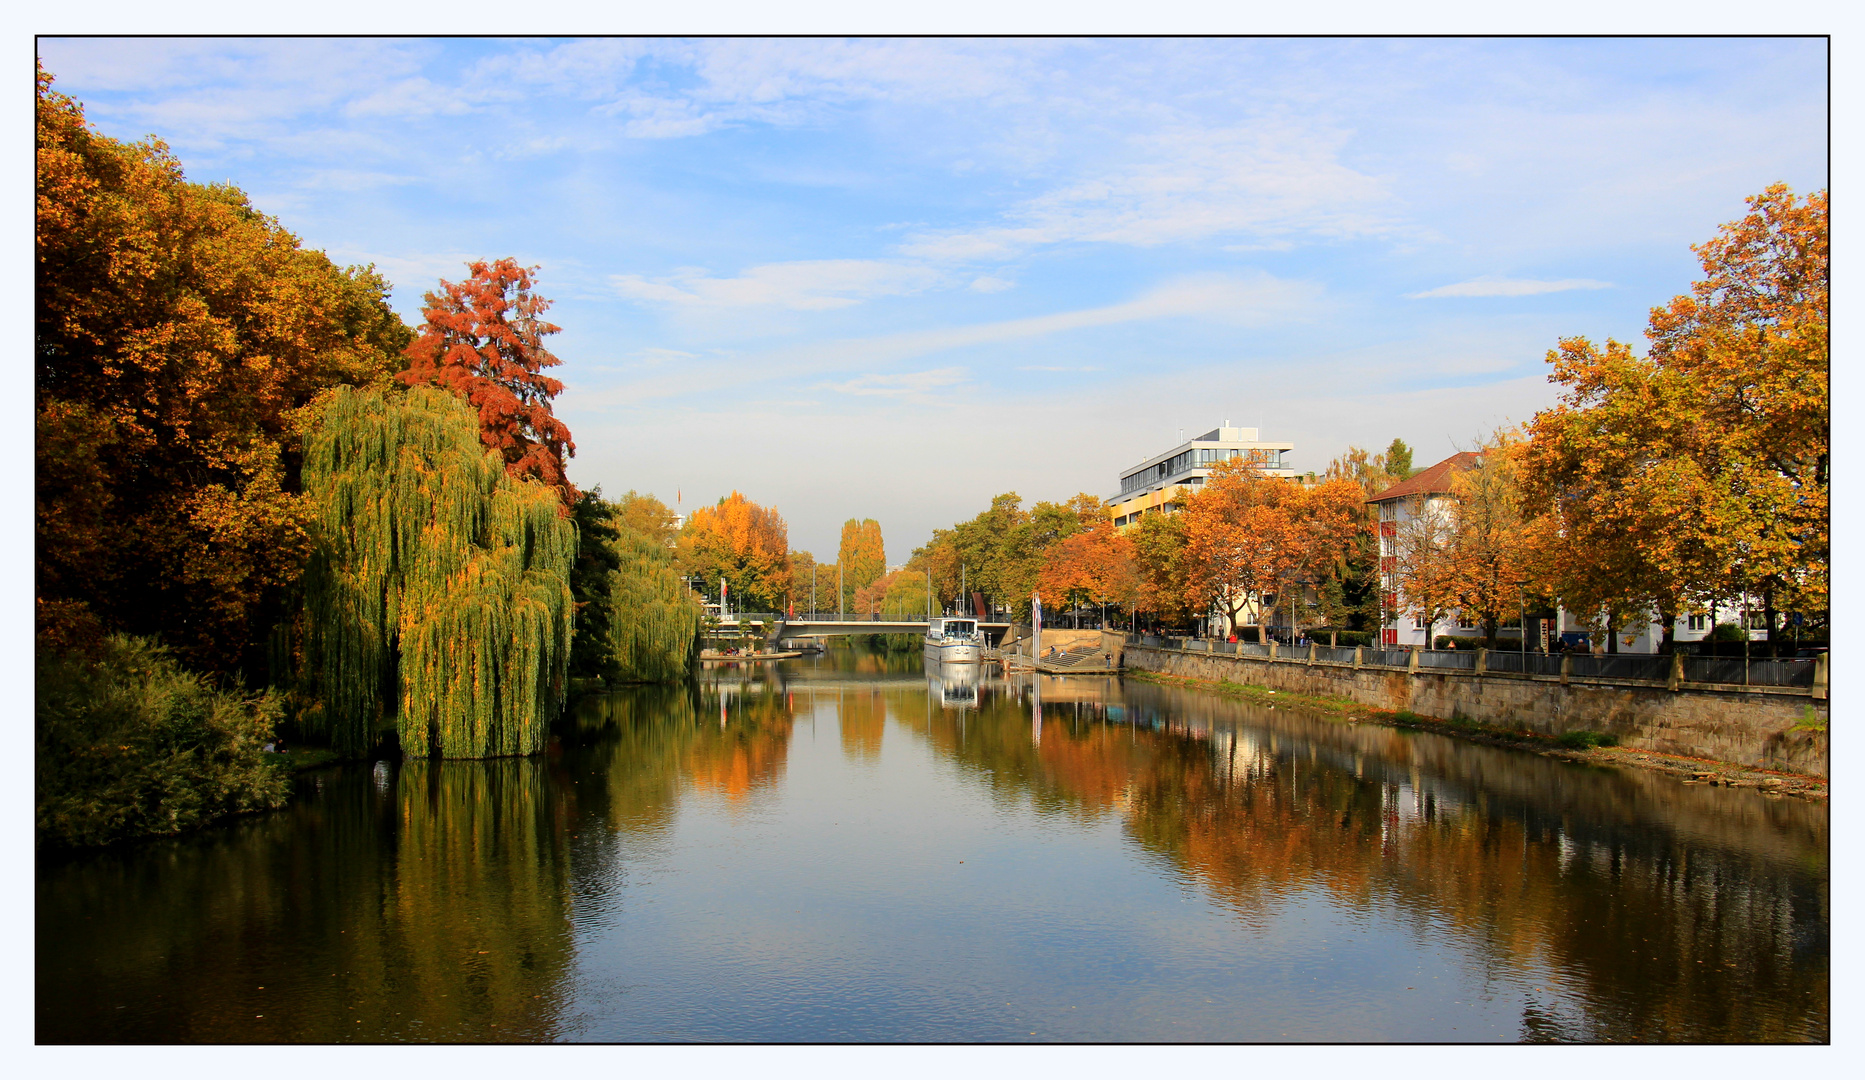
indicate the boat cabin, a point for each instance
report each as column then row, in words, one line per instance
column 952, row 630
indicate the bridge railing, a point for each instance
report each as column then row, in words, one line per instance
column 852, row 616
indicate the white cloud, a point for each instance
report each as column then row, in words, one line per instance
column 1262, row 179
column 909, row 384
column 1238, row 301
column 988, row 284
column 813, row 285
column 1498, row 286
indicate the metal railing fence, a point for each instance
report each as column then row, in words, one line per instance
column 1731, row 670
column 1718, row 670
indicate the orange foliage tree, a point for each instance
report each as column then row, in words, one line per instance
column 1327, row 524
column 1239, row 540
column 178, row 332
column 1700, row 472
column 1252, row 538
column 743, row 544
column 1098, row 567
column 484, row 341
column 1495, row 546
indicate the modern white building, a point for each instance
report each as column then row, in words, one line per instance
column 1158, row 484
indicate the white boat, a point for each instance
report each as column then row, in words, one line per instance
column 954, row 641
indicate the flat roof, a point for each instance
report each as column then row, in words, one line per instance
column 1209, row 439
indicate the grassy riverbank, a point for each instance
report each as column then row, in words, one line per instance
column 1593, row 748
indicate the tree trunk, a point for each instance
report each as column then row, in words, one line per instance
column 1612, row 635
column 1667, row 617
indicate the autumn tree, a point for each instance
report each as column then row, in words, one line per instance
column 1751, row 339
column 1000, row 553
column 1425, row 563
column 743, row 544
column 1239, row 539
column 901, row 594
column 1329, row 528
column 1159, row 556
column 1494, row 542
column 1620, row 482
column 483, row 340
column 1352, row 596
column 648, row 516
column 178, row 332
column 1700, row 471
column 1096, row 566
column 976, row 553
column 1023, row 551
column 805, row 573
column 862, row 559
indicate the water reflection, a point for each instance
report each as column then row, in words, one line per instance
column 1641, row 909
column 853, row 847
column 419, row 903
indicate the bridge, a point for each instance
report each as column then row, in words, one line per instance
column 829, row 624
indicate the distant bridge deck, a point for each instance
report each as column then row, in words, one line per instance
column 828, row 625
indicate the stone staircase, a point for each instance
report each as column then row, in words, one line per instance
column 1079, row 658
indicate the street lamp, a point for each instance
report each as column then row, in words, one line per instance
column 1521, row 620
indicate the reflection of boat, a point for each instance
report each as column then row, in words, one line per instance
column 955, row 685
column 953, row 641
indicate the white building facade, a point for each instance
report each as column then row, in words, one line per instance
column 1159, row 484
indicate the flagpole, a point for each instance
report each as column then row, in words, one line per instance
column 1036, row 630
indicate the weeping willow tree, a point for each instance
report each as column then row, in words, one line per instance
column 654, row 619
column 439, row 585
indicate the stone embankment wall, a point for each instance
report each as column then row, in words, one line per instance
column 1752, row 726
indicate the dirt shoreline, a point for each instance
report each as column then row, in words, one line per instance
column 1688, row 770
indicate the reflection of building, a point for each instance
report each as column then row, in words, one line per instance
column 1158, row 483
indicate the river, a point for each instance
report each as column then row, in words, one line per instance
column 848, row 848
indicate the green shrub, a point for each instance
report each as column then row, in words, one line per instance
column 1586, row 740
column 1727, row 631
column 129, row 744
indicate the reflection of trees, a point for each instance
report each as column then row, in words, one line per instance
column 1668, row 913
column 862, row 717
column 649, row 743
column 424, row 905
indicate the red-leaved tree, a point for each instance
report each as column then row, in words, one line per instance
column 484, row 340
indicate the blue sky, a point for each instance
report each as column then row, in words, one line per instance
column 892, row 278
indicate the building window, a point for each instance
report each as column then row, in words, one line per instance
column 1699, row 622
column 1418, row 623
column 1465, row 622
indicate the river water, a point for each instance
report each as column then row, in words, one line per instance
column 849, row 848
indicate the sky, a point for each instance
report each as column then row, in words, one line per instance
column 892, row 278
